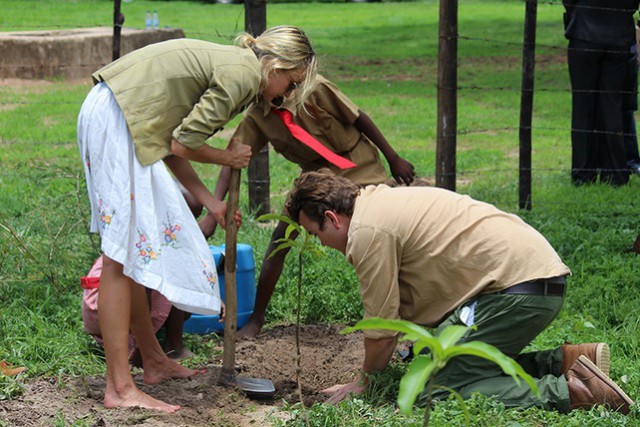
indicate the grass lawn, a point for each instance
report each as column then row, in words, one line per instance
column 383, row 56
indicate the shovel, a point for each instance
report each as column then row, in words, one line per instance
column 253, row 387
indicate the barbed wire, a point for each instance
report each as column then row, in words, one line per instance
column 465, row 132
column 538, row 45
column 545, row 128
column 464, row 176
column 57, row 26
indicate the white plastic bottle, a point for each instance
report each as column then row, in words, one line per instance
column 148, row 20
column 156, row 22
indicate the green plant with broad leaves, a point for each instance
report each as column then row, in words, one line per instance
column 424, row 367
column 296, row 238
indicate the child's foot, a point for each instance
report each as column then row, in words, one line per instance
column 167, row 369
column 180, row 354
column 136, row 398
column 250, row 330
column 135, row 360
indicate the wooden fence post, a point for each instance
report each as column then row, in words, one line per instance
column 118, row 20
column 255, row 22
column 526, row 103
column 447, row 101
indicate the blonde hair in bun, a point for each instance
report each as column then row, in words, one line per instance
column 283, row 47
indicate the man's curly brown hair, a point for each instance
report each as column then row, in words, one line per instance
column 319, row 191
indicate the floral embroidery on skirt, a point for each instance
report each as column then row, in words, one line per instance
column 140, row 213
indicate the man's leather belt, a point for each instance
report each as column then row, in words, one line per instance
column 543, row 287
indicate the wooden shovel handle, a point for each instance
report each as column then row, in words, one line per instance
column 231, row 299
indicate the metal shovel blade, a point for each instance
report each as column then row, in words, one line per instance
column 256, row 387
column 252, row 387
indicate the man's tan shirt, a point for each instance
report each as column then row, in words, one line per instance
column 420, row 252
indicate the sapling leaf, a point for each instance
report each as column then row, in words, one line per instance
column 434, row 346
column 491, row 353
column 273, row 217
column 283, row 240
column 316, row 252
column 451, row 335
column 402, row 326
column 285, row 245
column 443, row 348
column 415, row 337
column 290, row 229
column 413, row 382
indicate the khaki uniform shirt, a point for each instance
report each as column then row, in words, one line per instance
column 185, row 89
column 329, row 118
column 420, row 252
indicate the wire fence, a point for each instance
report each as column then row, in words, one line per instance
column 500, row 94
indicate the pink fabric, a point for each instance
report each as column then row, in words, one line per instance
column 160, row 308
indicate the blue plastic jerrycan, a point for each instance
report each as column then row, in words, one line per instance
column 245, row 291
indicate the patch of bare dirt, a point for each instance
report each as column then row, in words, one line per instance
column 340, row 67
column 327, row 358
column 16, row 83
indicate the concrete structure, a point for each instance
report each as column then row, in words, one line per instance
column 69, row 54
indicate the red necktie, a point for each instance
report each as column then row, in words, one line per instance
column 308, row 140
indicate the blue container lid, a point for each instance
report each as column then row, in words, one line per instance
column 198, row 324
column 244, row 256
column 217, row 252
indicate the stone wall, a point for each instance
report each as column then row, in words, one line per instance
column 69, row 54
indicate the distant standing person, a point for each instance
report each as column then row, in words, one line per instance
column 154, row 107
column 331, row 118
column 629, row 108
column 600, row 33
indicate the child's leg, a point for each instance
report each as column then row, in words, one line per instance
column 269, row 275
column 157, row 366
column 114, row 315
column 174, row 348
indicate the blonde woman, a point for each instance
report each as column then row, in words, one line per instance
column 151, row 110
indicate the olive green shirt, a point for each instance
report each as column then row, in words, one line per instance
column 420, row 252
column 183, row 89
column 328, row 115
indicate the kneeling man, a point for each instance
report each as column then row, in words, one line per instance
column 435, row 257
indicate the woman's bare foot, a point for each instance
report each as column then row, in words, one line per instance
column 154, row 374
column 134, row 397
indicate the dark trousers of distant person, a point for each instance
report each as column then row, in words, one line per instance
column 597, row 76
column 629, row 107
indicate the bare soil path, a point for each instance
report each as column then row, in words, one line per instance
column 328, row 358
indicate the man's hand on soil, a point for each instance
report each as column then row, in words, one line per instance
column 340, row 392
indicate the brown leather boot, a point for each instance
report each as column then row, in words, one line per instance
column 598, row 353
column 589, row 386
